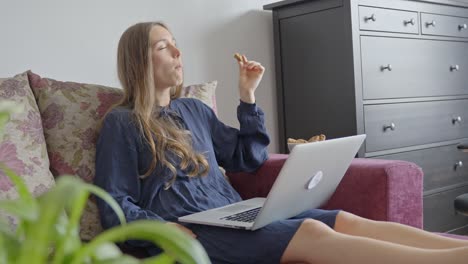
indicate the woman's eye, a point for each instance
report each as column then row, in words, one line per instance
column 161, row 48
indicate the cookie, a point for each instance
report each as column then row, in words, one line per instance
column 316, row 138
column 240, row 58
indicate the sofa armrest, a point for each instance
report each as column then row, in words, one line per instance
column 385, row 190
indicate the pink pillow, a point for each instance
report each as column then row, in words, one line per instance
column 22, row 146
column 204, row 92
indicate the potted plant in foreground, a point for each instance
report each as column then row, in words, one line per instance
column 48, row 226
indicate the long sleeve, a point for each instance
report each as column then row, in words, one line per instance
column 117, row 169
column 243, row 149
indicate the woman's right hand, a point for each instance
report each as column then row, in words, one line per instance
column 183, row 228
column 250, row 75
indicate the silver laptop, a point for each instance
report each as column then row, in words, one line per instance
column 307, row 180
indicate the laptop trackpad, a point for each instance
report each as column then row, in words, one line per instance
column 235, row 208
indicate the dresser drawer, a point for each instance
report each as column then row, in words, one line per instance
column 391, row 126
column 442, row 166
column 439, row 214
column 398, row 68
column 432, row 24
column 388, row 20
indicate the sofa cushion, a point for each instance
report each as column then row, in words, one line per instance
column 70, row 114
column 204, row 92
column 22, row 146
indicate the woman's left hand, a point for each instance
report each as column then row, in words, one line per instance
column 250, row 75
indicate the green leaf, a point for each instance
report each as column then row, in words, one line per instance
column 53, row 237
column 20, row 208
column 106, row 251
column 66, row 237
column 5, row 227
column 70, row 241
column 8, row 106
column 6, row 109
column 10, row 246
column 3, row 253
column 108, row 199
column 35, row 248
column 174, row 242
column 21, row 187
column 20, row 228
column 76, row 204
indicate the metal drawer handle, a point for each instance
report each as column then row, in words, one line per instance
column 432, row 23
column 372, row 17
column 462, row 27
column 457, row 119
column 411, row 21
column 459, row 164
column 463, row 147
column 454, row 67
column 388, row 67
column 391, row 127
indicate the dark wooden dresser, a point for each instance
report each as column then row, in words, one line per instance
column 396, row 70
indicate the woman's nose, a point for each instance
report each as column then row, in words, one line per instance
column 175, row 51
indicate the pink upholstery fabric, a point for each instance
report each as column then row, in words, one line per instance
column 204, row 92
column 386, row 190
column 259, row 183
column 382, row 190
column 22, row 144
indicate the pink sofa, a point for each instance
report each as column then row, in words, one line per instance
column 385, row 190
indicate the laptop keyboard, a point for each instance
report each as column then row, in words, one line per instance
column 246, row 216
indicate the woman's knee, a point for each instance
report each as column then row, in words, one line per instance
column 347, row 222
column 310, row 234
column 315, row 229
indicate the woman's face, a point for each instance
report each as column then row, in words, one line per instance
column 167, row 63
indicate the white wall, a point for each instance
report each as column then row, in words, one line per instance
column 77, row 40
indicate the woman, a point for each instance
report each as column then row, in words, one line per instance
column 158, row 157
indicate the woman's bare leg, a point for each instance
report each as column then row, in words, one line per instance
column 350, row 224
column 315, row 242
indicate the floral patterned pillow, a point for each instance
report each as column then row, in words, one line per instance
column 22, row 146
column 204, row 92
column 70, row 115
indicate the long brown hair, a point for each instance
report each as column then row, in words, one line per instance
column 135, row 71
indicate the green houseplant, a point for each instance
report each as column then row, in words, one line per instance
column 48, row 226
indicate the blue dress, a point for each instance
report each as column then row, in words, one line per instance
column 122, row 155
